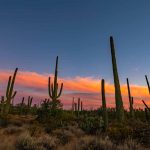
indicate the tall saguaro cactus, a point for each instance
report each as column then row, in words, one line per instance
column 10, row 93
column 130, row 100
column 104, row 108
column 53, row 91
column 118, row 97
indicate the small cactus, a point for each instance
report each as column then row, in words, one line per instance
column 130, row 100
column 78, row 104
column 104, row 108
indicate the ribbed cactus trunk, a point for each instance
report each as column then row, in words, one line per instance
column 104, row 108
column 130, row 100
column 118, row 97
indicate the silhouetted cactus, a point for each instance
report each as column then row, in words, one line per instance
column 147, row 83
column 10, row 94
column 22, row 102
column 78, row 104
column 81, row 106
column 73, row 104
column 30, row 101
column 130, row 100
column 53, row 88
column 146, row 105
column 118, row 97
column 104, row 108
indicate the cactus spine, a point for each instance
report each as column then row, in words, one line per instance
column 104, row 108
column 118, row 97
column 130, row 100
column 10, row 94
column 53, row 88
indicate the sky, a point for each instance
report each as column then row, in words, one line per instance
column 33, row 33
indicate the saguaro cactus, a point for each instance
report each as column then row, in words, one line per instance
column 147, row 83
column 104, row 108
column 10, row 94
column 118, row 97
column 81, row 106
column 146, row 105
column 78, row 104
column 53, row 88
column 30, row 101
column 73, row 104
column 130, row 100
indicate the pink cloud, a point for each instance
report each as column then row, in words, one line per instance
column 87, row 88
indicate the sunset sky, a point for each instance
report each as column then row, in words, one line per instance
column 34, row 32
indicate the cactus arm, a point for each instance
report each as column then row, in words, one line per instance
column 13, row 81
column 52, row 90
column 14, row 95
column 61, row 88
column 8, row 87
column 145, row 105
column 49, row 87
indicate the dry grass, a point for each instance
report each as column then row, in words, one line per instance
column 33, row 137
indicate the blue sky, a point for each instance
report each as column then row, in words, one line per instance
column 34, row 32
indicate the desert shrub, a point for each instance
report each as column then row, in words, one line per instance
column 64, row 136
column 47, row 142
column 12, row 130
column 76, row 131
column 33, row 129
column 25, row 142
column 46, row 112
column 91, row 124
column 52, row 124
column 67, row 116
column 120, row 132
column 130, row 144
column 3, row 122
column 94, row 143
column 99, row 143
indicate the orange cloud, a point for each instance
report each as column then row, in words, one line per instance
column 36, row 84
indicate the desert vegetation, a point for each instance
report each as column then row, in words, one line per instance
column 48, row 126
